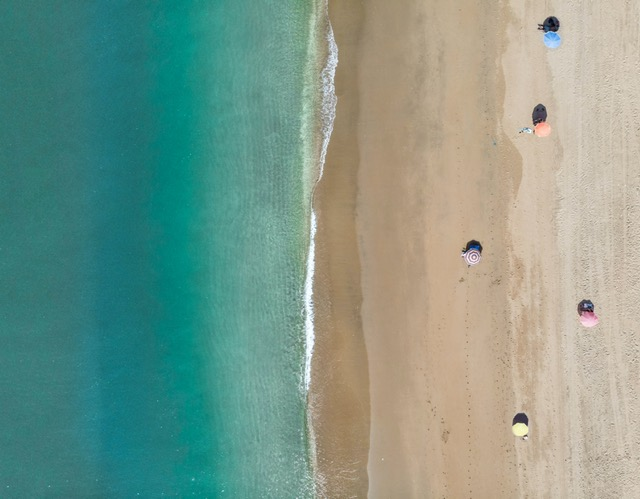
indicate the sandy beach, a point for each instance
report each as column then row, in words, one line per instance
column 421, row 363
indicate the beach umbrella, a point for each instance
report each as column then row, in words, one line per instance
column 552, row 39
column 542, row 129
column 472, row 257
column 588, row 319
column 520, row 426
column 520, row 429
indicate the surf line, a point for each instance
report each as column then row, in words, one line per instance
column 328, row 114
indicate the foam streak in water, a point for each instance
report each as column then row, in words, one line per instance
column 328, row 113
column 308, row 302
column 329, row 99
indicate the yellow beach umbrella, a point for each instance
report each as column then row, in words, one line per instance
column 520, row 429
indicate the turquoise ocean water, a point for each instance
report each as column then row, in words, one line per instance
column 156, row 164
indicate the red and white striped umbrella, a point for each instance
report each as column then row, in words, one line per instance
column 472, row 257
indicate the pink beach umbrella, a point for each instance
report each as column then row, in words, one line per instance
column 588, row 319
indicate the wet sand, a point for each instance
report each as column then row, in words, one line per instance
column 422, row 362
column 339, row 392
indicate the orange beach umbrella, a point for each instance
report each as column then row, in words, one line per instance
column 542, row 129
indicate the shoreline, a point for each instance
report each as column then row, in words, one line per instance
column 321, row 23
column 338, row 399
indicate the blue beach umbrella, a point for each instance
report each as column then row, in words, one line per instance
column 552, row 40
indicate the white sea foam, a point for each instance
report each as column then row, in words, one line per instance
column 327, row 117
column 329, row 98
column 308, row 302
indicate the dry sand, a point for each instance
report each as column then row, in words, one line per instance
column 435, row 172
column 594, row 104
column 421, row 362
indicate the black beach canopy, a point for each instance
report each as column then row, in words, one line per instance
column 585, row 306
column 539, row 114
column 473, row 244
column 521, row 417
column 551, row 24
